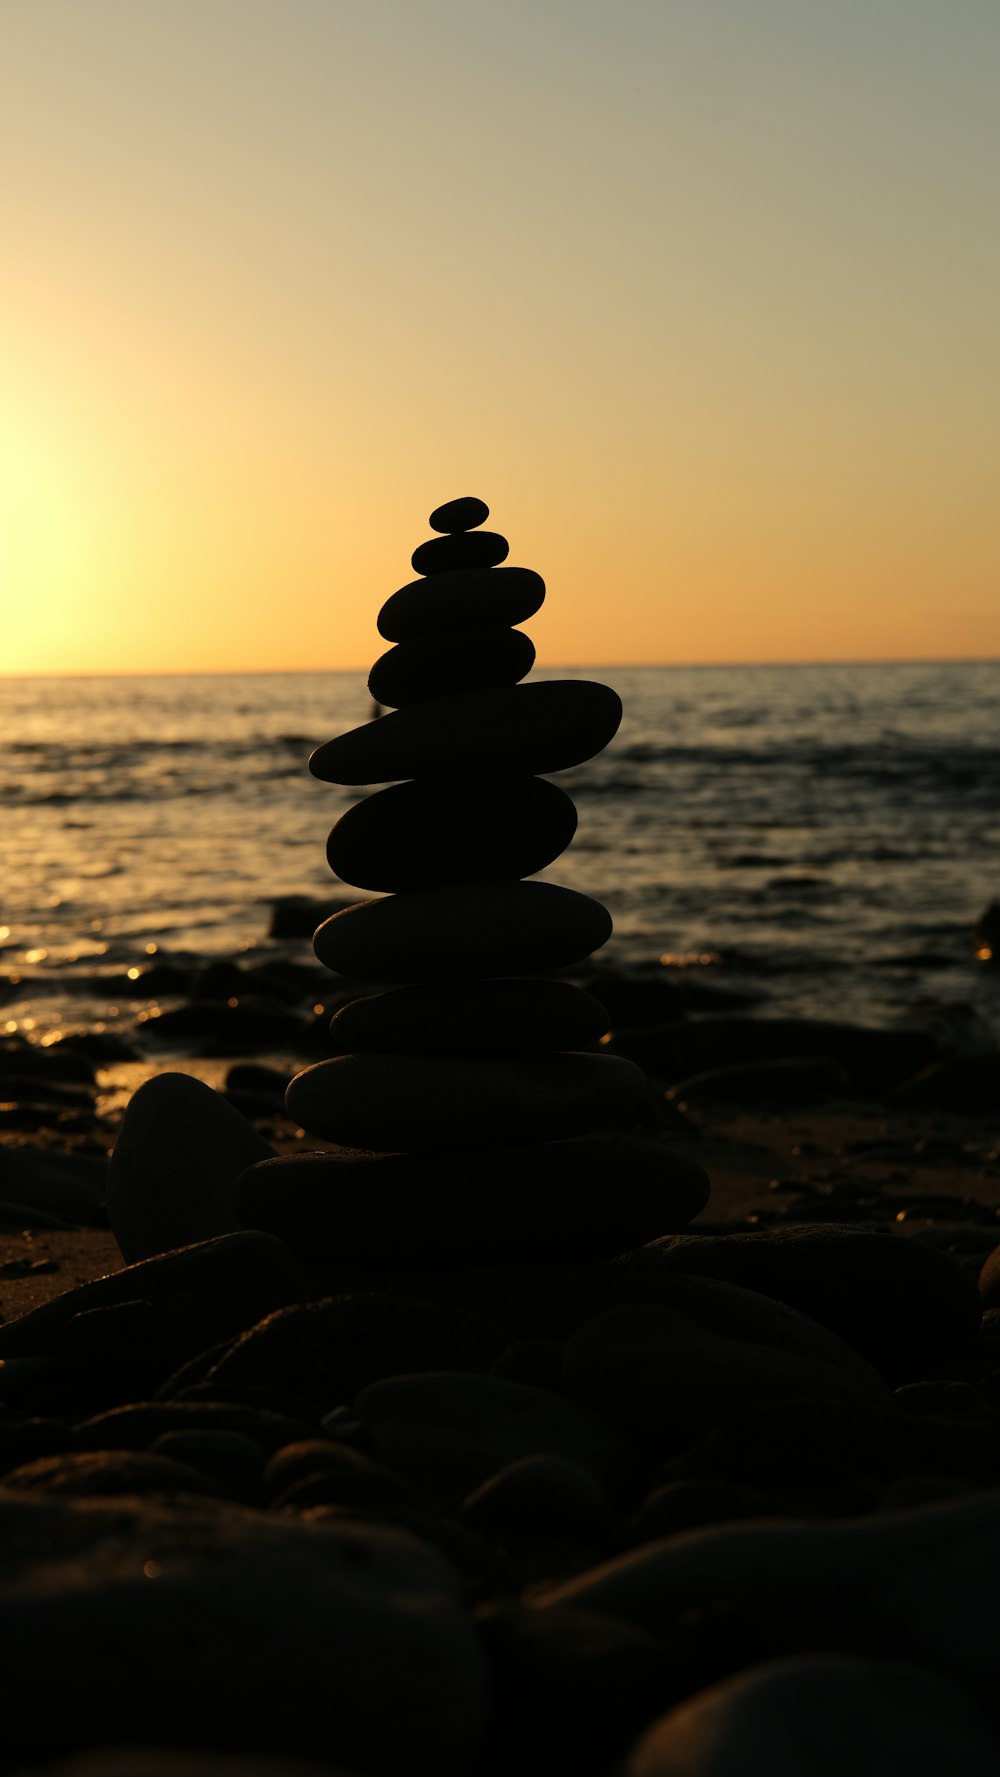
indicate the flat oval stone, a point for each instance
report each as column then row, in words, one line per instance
column 464, row 549
column 480, row 1017
column 452, row 933
column 410, row 1102
column 459, row 599
column 440, row 830
column 459, row 515
column 438, row 665
column 592, row 1197
column 546, row 726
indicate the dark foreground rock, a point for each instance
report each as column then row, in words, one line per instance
column 902, row 1303
column 822, row 1713
column 214, row 1626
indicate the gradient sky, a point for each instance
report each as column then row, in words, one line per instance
column 701, row 296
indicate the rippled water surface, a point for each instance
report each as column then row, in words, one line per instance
column 828, row 833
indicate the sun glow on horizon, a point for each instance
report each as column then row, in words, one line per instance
column 702, row 306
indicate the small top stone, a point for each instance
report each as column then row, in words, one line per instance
column 459, row 515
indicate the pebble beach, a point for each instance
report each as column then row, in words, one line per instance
column 655, row 1433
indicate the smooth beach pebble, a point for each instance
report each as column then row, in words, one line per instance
column 437, row 666
column 343, row 1640
column 235, row 1278
column 816, row 1714
column 462, row 930
column 448, row 1432
column 922, row 1582
column 539, row 1495
column 325, row 1351
column 462, row 549
column 179, row 1146
column 548, row 725
column 670, row 1374
column 452, row 829
column 406, row 1102
column 459, row 515
column 462, row 599
column 901, row 1303
column 590, row 1197
column 483, row 1017
column 95, row 1473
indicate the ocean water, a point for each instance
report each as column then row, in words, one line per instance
column 823, row 836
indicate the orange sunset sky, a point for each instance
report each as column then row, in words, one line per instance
column 701, row 296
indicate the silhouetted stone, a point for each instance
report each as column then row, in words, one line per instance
column 459, row 515
column 452, row 829
column 461, row 599
column 179, row 1147
column 545, row 726
column 412, row 1102
column 920, row 1582
column 93, row 1473
column 438, row 666
column 239, row 1276
column 481, row 1017
column 669, row 1374
column 822, row 1712
column 461, row 549
column 469, row 929
column 215, row 1624
column 539, row 1495
column 587, row 1198
column 447, row 1433
column 328, row 1350
column 900, row 1302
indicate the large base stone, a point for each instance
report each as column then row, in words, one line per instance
column 573, row 1199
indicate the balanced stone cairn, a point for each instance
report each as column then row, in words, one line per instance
column 487, row 1124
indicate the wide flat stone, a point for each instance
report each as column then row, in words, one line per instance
column 500, row 1017
column 452, row 829
column 441, row 665
column 409, row 1102
column 464, row 597
column 592, row 1197
column 548, row 725
column 459, row 515
column 461, row 549
column 465, row 930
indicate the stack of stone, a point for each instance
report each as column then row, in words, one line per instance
column 472, row 1071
